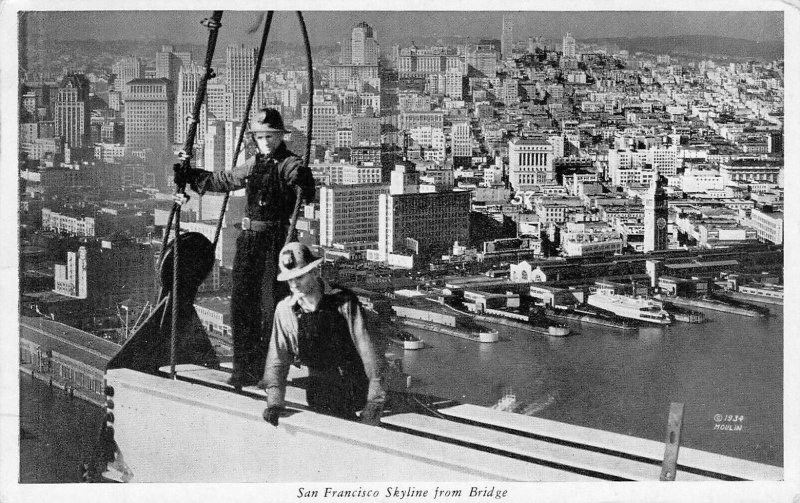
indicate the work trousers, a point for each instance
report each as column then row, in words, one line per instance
column 254, row 297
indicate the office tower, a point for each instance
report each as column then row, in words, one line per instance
column 656, row 213
column 167, row 63
column 364, row 49
column 434, row 220
column 214, row 146
column 507, row 37
column 568, row 46
column 348, row 214
column 231, row 132
column 149, row 114
column 72, row 114
column 530, row 163
column 454, row 83
column 241, row 63
column 126, row 69
column 219, row 101
column 188, row 80
column 461, row 143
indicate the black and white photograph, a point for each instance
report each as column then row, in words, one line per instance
column 398, row 253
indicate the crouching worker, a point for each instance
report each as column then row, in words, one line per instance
column 323, row 328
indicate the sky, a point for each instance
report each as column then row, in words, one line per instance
column 328, row 27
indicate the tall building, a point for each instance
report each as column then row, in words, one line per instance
column 348, row 214
column 568, row 46
column 72, row 114
column 461, row 143
column 656, row 214
column 241, row 63
column 167, row 63
column 127, row 69
column 507, row 37
column 149, row 114
column 219, row 101
column 431, row 222
column 364, row 48
column 214, row 146
column 186, row 93
column 530, row 163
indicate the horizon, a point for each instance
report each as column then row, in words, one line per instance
column 326, row 28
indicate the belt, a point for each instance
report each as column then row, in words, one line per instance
column 258, row 225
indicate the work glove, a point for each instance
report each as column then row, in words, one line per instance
column 271, row 415
column 371, row 414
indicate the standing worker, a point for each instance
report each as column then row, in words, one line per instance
column 272, row 179
column 323, row 328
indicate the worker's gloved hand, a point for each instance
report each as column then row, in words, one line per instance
column 271, row 415
column 181, row 174
column 371, row 414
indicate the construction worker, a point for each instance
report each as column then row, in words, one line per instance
column 323, row 327
column 272, row 179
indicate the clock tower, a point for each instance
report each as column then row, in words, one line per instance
column 656, row 213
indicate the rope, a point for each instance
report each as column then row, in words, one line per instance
column 253, row 85
column 213, row 26
column 309, row 123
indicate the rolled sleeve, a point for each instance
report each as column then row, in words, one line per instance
column 279, row 355
column 203, row 181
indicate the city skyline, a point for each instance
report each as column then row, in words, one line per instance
column 325, row 27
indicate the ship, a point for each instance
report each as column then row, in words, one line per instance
column 590, row 315
column 634, row 308
column 536, row 323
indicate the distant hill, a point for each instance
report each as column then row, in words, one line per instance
column 698, row 46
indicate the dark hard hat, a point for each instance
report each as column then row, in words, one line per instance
column 267, row 120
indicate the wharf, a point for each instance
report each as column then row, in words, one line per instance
column 490, row 336
column 70, row 390
column 552, row 330
column 585, row 317
column 749, row 297
column 718, row 305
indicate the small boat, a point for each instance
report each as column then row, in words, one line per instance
column 406, row 339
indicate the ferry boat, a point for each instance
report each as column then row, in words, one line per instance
column 635, row 308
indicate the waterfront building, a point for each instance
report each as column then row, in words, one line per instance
column 768, row 225
column 149, row 114
column 656, row 215
column 349, row 213
column 72, row 114
column 530, row 163
column 69, row 355
column 581, row 239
